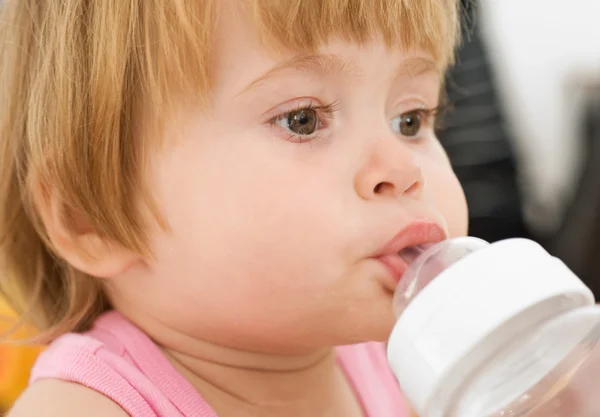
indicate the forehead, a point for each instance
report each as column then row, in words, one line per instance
column 242, row 71
column 324, row 65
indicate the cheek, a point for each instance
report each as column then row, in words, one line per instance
column 456, row 207
column 257, row 237
column 273, row 237
column 448, row 196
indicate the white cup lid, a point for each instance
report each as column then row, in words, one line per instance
column 452, row 320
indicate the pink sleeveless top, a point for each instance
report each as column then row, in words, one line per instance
column 119, row 361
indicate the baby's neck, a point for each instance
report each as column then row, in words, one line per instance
column 311, row 386
column 237, row 383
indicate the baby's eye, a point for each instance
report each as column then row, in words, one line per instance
column 302, row 122
column 408, row 124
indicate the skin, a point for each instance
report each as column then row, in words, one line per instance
column 268, row 261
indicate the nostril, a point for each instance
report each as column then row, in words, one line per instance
column 388, row 188
column 383, row 188
column 413, row 188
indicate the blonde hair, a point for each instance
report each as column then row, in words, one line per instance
column 75, row 76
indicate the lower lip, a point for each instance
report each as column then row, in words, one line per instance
column 395, row 265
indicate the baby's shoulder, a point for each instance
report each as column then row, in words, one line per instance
column 56, row 398
column 80, row 358
column 97, row 364
column 96, row 358
column 65, row 381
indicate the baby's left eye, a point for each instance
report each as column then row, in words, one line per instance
column 408, row 124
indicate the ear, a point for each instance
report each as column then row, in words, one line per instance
column 74, row 240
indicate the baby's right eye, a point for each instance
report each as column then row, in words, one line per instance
column 301, row 122
column 304, row 123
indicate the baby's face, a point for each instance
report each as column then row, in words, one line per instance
column 281, row 195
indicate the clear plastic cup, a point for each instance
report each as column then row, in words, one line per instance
column 530, row 341
column 425, row 263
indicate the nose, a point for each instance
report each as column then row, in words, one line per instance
column 389, row 170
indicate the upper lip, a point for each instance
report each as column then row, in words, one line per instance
column 418, row 232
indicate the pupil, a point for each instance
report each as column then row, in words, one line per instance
column 303, row 122
column 411, row 124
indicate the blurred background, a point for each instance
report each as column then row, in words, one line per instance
column 522, row 132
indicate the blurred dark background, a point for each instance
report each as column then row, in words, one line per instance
column 511, row 190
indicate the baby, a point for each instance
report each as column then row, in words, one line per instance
column 202, row 202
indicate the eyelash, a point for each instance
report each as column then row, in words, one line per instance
column 436, row 114
column 429, row 116
column 439, row 114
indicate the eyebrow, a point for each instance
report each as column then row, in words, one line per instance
column 322, row 65
column 418, row 66
column 325, row 65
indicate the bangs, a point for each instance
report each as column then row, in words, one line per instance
column 428, row 25
column 178, row 34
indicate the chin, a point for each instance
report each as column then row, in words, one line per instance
column 384, row 334
column 377, row 330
